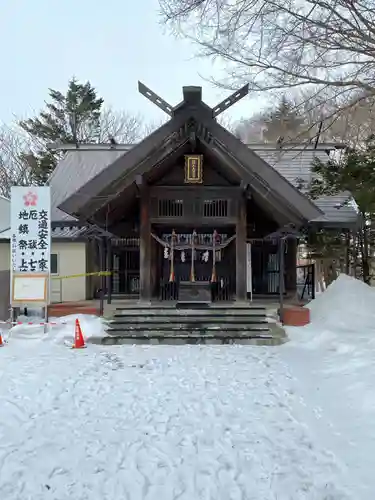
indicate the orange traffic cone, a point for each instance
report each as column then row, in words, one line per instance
column 79, row 341
column 2, row 343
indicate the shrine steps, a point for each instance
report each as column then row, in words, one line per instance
column 168, row 324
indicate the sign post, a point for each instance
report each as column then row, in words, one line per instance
column 30, row 246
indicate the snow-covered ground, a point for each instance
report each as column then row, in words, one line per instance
column 155, row 423
column 294, row 422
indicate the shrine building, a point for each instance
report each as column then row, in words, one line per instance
column 191, row 212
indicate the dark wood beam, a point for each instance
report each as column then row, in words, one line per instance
column 145, row 247
column 241, row 257
column 122, row 228
column 117, row 208
column 200, row 192
column 281, row 277
column 109, row 269
column 195, row 221
column 102, row 258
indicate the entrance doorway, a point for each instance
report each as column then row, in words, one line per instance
column 265, row 268
column 125, row 277
column 195, row 257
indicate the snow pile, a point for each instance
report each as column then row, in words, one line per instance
column 92, row 327
column 333, row 361
column 60, row 330
column 347, row 304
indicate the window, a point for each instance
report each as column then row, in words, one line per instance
column 170, row 208
column 215, row 208
column 54, row 263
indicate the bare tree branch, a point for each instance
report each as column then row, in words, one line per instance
column 226, row 122
column 121, row 126
column 15, row 167
column 275, row 45
column 148, row 128
column 252, row 129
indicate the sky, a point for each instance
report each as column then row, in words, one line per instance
column 113, row 44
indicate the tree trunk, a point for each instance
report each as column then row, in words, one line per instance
column 365, row 255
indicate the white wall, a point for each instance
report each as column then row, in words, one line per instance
column 4, row 214
column 4, row 256
column 71, row 260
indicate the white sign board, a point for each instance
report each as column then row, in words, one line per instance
column 30, row 229
column 29, row 288
column 30, row 244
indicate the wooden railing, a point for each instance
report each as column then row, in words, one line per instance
column 222, row 291
column 306, row 281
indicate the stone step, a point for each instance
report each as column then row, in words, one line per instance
column 258, row 332
column 187, row 330
column 189, row 320
column 172, row 312
column 169, row 306
column 181, row 341
column 192, row 304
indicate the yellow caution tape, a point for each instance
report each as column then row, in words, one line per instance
column 100, row 273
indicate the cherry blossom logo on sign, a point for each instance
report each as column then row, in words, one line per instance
column 30, row 199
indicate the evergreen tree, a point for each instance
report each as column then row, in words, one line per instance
column 70, row 118
column 354, row 172
column 283, row 122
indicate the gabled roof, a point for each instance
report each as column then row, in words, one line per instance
column 265, row 181
column 294, row 163
column 78, row 166
column 91, row 175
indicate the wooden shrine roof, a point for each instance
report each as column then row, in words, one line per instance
column 114, row 169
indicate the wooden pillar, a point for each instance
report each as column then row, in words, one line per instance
column 154, row 259
column 291, row 265
column 110, row 270
column 145, row 246
column 313, row 280
column 281, row 276
column 102, row 258
column 347, row 256
column 241, row 264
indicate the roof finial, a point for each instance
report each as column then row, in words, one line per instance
column 229, row 101
column 155, row 99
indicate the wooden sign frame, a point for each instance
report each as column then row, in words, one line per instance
column 42, row 299
column 193, row 169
